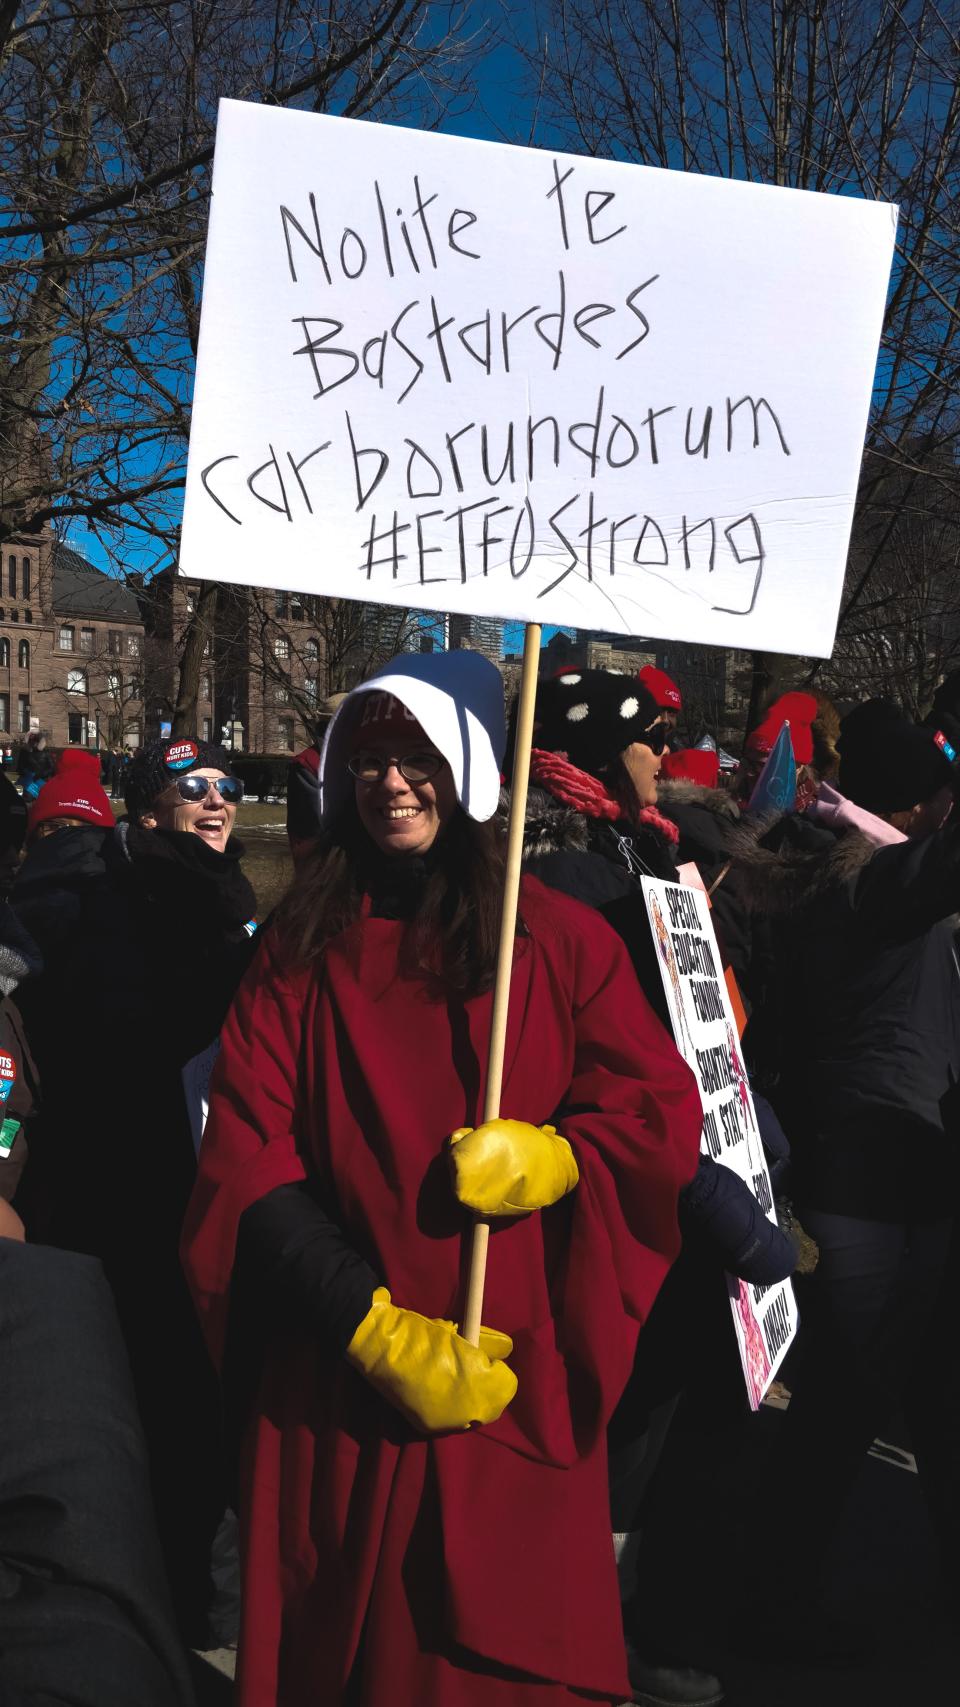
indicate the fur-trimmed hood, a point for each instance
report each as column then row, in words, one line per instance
column 550, row 827
column 780, row 863
column 680, row 791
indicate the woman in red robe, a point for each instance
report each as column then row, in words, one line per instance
column 388, row 1549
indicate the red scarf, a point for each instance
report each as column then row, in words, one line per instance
column 588, row 795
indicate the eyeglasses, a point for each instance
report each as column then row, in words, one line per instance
column 194, row 788
column 413, row 767
column 656, row 737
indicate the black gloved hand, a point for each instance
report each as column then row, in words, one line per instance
column 718, row 1209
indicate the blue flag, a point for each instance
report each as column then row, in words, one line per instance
column 775, row 789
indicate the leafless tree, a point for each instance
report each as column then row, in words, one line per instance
column 818, row 95
column 109, row 111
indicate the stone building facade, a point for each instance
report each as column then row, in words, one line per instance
column 71, row 649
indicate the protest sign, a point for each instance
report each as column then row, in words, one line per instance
column 472, row 377
column 765, row 1317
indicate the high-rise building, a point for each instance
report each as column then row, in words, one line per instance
column 479, row 633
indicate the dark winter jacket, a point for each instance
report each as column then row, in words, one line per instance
column 856, row 1022
column 601, row 864
column 144, row 941
column 19, row 958
column 84, row 1612
column 303, row 799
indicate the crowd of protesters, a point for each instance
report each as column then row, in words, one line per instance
column 233, row 1267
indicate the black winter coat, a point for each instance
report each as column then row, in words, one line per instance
column 601, row 865
column 84, row 1615
column 142, row 934
column 857, row 1029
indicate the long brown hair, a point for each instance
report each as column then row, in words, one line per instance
column 452, row 938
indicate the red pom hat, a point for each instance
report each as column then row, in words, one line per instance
column 73, row 791
column 691, row 764
column 797, row 709
column 665, row 692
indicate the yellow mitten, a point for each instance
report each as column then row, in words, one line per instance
column 428, row 1371
column 507, row 1167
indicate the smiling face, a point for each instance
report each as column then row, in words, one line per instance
column 212, row 818
column 402, row 817
column 642, row 766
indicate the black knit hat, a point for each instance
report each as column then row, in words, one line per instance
column 156, row 767
column 887, row 763
column 592, row 715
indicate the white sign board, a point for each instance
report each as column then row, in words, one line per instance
column 455, row 374
column 765, row 1317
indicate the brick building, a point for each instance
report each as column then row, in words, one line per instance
column 71, row 648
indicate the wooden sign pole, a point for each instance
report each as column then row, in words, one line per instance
column 508, row 926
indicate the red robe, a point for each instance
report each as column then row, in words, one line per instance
column 477, row 1567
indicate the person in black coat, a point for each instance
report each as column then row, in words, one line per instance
column 85, row 1619
column 35, row 763
column 863, row 1060
column 594, row 830
column 145, row 929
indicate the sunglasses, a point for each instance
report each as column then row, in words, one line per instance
column 413, row 767
column 194, row 788
column 656, row 737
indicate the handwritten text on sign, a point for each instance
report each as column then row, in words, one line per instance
column 765, row 1317
column 489, row 379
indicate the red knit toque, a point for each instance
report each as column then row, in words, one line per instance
column 73, row 791
column 692, row 764
column 383, row 715
column 797, row 709
column 665, row 692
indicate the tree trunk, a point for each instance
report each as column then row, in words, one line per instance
column 199, row 631
column 760, row 683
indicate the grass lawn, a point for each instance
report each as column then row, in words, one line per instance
column 249, row 812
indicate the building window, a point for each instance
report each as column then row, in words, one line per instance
column 12, row 577
column 285, row 734
column 207, row 729
column 205, row 686
column 24, row 577
column 28, row 616
column 65, row 638
column 5, row 712
column 281, row 693
column 86, row 640
column 312, row 651
column 76, row 681
column 23, row 654
column 23, row 719
column 310, row 689
column 76, row 726
column 281, row 647
column 133, row 645
column 114, row 646
column 207, row 648
column 4, row 654
column 14, row 616
column 136, row 687
column 280, row 604
column 115, row 684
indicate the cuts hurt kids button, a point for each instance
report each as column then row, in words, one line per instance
column 8, row 1076
column 181, row 755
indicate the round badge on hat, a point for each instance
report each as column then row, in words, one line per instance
column 8, row 1076
column 181, row 755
